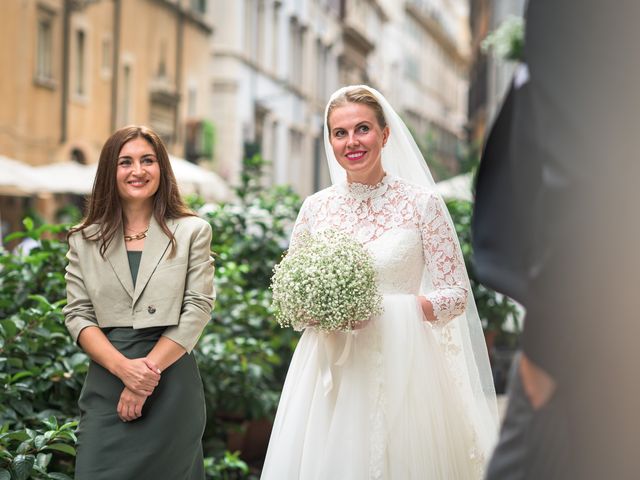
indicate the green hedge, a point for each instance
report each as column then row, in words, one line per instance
column 242, row 354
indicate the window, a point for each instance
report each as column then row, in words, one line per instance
column 192, row 103
column 107, row 53
column 80, row 77
column 260, row 33
column 199, row 6
column 44, row 61
column 250, row 11
column 412, row 69
column 162, row 62
column 296, row 158
column 321, row 69
column 78, row 156
column 126, row 94
column 296, row 34
column 275, row 29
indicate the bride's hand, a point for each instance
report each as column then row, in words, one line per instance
column 360, row 325
column 427, row 309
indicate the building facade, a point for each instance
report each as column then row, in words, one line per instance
column 80, row 69
column 489, row 76
column 76, row 70
column 423, row 67
column 245, row 75
column 275, row 64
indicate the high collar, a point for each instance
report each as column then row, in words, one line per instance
column 365, row 191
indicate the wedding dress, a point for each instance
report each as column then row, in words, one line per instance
column 384, row 401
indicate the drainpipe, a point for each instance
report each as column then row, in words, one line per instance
column 64, row 98
column 179, row 60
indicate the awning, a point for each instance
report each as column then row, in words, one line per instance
column 18, row 179
column 459, row 187
column 72, row 177
column 68, row 177
column 195, row 179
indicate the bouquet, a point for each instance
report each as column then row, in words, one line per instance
column 328, row 281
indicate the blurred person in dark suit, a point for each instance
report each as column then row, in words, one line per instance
column 556, row 228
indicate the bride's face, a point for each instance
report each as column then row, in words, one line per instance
column 357, row 140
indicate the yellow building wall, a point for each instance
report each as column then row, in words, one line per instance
column 30, row 117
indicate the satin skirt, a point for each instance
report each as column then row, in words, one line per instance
column 379, row 404
column 164, row 443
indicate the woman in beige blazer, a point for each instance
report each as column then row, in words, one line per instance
column 139, row 293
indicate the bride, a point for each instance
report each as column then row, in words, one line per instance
column 409, row 395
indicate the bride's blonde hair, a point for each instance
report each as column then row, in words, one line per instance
column 357, row 95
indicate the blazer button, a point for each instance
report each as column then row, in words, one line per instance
column 151, row 309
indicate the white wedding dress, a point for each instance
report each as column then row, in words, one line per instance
column 386, row 403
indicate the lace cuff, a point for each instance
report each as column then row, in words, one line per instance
column 301, row 225
column 448, row 303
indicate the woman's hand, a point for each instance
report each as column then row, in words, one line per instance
column 139, row 375
column 427, row 308
column 130, row 405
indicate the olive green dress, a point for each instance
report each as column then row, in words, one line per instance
column 165, row 443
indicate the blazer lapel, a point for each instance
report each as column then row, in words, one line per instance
column 155, row 246
column 117, row 256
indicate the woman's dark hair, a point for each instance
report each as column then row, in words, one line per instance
column 104, row 207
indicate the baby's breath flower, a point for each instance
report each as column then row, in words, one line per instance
column 328, row 281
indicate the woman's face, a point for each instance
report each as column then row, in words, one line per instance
column 357, row 140
column 138, row 172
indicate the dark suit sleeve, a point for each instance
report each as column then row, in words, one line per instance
column 576, row 120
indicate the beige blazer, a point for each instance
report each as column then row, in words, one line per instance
column 175, row 292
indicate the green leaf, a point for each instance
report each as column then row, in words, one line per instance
column 69, row 425
column 59, row 476
column 42, row 301
column 4, row 474
column 22, row 466
column 24, row 447
column 28, row 223
column 19, row 435
column 62, row 447
column 51, row 422
column 20, row 375
column 9, row 327
column 43, row 459
column 15, row 236
column 40, row 441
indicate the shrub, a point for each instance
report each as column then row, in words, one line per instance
column 40, row 367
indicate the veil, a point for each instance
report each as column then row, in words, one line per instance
column 462, row 338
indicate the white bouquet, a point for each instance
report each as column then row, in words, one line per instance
column 328, row 282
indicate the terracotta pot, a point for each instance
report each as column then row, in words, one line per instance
column 490, row 340
column 250, row 438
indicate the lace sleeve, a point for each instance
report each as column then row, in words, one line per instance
column 302, row 224
column 444, row 263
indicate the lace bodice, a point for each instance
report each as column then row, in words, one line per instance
column 405, row 229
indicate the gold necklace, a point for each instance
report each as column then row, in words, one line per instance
column 136, row 236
